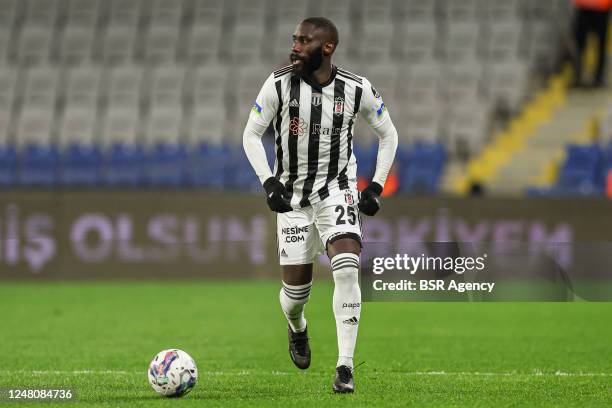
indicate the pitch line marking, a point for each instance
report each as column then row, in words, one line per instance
column 535, row 373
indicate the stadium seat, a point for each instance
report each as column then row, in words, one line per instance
column 8, row 86
column 35, row 126
column 422, row 122
column 124, row 166
column 415, row 42
column 41, row 87
column 118, row 43
column 246, row 42
column 38, row 166
column 164, row 13
column 207, row 164
column 77, row 44
column 161, row 44
column 34, row 45
column 125, row 85
column 6, row 41
column 380, row 11
column 377, row 41
column 206, row 124
column 81, row 166
column 501, row 40
column 578, row 174
column 365, row 154
column 421, row 83
column 166, row 85
column 462, row 82
column 505, row 84
column 121, row 125
column 460, row 41
column 420, row 168
column 203, row 43
column 166, row 165
column 8, row 12
column 82, row 87
column 467, row 128
column 125, row 12
column 78, row 125
column 8, row 166
column 164, row 126
column 414, row 11
column 41, row 12
column 83, row 13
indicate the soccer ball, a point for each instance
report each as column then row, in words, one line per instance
column 172, row 373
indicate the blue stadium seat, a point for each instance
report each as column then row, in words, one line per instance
column 124, row 166
column 420, row 167
column 578, row 175
column 81, row 166
column 604, row 167
column 365, row 154
column 38, row 166
column 8, row 166
column 166, row 165
column 207, row 164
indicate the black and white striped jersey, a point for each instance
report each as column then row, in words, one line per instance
column 314, row 129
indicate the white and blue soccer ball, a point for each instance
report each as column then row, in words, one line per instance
column 172, row 373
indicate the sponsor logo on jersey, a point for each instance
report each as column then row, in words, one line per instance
column 317, row 129
column 348, row 198
column 298, row 126
column 338, row 106
column 351, row 305
column 381, row 110
column 256, row 108
column 295, row 234
column 375, row 92
column 284, row 254
column 316, row 99
column 294, row 103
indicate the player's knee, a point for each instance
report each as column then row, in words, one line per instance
column 345, row 268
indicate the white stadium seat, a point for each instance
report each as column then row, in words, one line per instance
column 121, row 125
column 78, row 126
column 35, row 126
column 164, row 125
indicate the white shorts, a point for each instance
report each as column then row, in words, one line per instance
column 303, row 233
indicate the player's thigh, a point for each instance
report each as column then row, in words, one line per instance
column 298, row 239
column 339, row 225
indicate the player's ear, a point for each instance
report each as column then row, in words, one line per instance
column 329, row 48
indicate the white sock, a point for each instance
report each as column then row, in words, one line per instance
column 347, row 304
column 292, row 300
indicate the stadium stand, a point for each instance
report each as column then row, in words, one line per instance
column 131, row 93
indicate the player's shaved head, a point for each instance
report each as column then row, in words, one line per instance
column 325, row 25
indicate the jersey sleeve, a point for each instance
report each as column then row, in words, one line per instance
column 372, row 108
column 265, row 105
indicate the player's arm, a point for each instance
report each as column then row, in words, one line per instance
column 375, row 112
column 263, row 111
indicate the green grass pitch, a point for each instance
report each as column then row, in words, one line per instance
column 98, row 339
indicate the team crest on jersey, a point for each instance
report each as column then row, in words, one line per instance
column 348, row 198
column 338, row 106
column 316, row 99
column 298, row 126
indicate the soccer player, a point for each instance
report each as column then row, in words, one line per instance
column 313, row 106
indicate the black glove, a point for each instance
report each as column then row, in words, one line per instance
column 369, row 201
column 277, row 195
